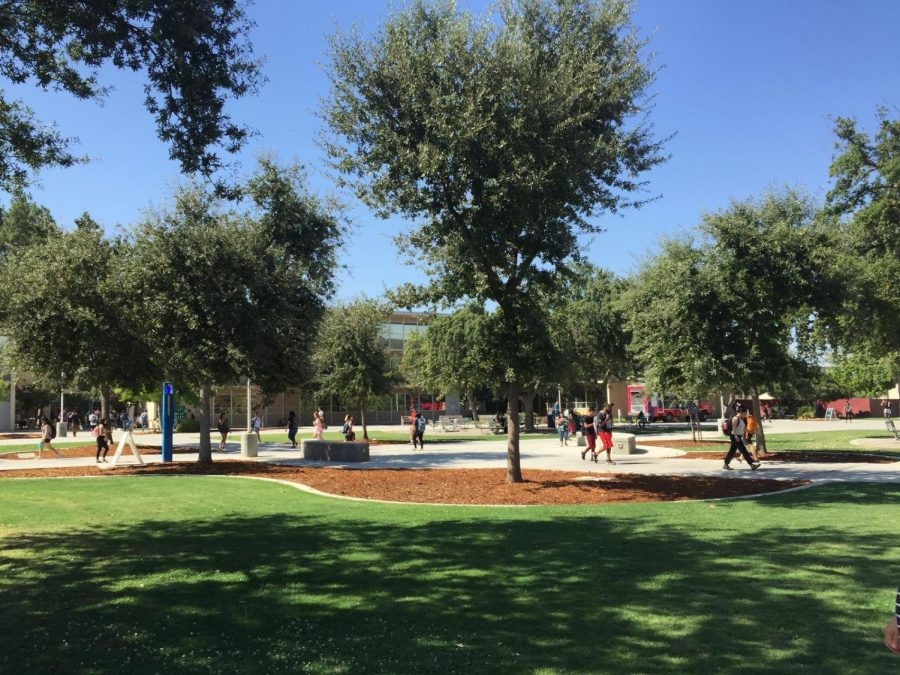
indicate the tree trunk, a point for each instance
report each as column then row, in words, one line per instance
column 757, row 415
column 473, row 405
column 205, row 456
column 104, row 401
column 513, row 465
column 528, row 402
column 362, row 418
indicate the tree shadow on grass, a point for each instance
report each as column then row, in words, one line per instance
column 411, row 590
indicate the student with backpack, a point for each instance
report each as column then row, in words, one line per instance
column 734, row 428
column 347, row 429
column 419, row 431
column 47, row 435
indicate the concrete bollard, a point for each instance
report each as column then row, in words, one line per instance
column 624, row 444
column 249, row 444
column 61, row 429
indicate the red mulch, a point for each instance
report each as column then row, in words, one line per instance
column 89, row 451
column 456, row 486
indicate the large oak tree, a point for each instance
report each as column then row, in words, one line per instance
column 502, row 137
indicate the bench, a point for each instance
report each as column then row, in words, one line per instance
column 335, row 451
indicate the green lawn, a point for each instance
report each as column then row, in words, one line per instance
column 204, row 574
column 812, row 441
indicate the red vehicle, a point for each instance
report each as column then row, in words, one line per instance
column 662, row 408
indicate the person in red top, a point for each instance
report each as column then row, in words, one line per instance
column 412, row 424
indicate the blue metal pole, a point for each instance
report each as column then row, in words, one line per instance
column 168, row 421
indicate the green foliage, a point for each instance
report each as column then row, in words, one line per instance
column 500, row 137
column 723, row 312
column 805, row 412
column 64, row 313
column 195, row 55
column 188, row 426
column 225, row 294
column 456, row 353
column 867, row 260
column 24, row 223
column 590, row 328
column 350, row 356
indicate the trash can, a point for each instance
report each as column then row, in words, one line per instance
column 61, row 429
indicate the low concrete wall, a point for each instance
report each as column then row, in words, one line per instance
column 624, row 444
column 335, row 451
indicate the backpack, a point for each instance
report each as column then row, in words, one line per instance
column 421, row 424
column 726, row 427
column 52, row 431
column 345, row 429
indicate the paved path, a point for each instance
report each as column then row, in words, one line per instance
column 536, row 453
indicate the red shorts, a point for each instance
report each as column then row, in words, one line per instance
column 606, row 439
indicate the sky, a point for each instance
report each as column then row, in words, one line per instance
column 748, row 90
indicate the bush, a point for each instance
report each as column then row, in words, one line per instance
column 187, row 426
column 805, row 412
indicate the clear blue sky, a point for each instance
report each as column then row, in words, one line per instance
column 750, row 88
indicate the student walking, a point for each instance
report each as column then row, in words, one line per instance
column 419, row 432
column 749, row 433
column 318, row 426
column 412, row 426
column 590, row 434
column 347, row 430
column 736, row 427
column 256, row 424
column 46, row 437
column 848, row 411
column 224, row 430
column 604, row 431
column 99, row 432
column 292, row 428
column 562, row 429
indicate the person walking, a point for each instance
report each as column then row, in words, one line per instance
column 412, row 426
column 848, row 411
column 256, row 424
column 347, row 429
column 604, row 431
column 292, row 428
column 749, row 433
column 224, row 430
column 738, row 425
column 590, row 434
column 75, row 422
column 46, row 438
column 99, row 432
column 562, row 429
column 318, row 426
column 419, row 433
column 886, row 407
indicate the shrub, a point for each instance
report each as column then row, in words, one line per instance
column 805, row 412
column 187, row 426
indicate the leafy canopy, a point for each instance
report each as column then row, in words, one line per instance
column 195, row 55
column 723, row 311
column 866, row 193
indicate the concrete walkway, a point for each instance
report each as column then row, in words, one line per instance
column 536, row 453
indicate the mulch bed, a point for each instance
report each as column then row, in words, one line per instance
column 456, row 486
column 89, row 451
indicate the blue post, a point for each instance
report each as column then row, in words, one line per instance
column 168, row 421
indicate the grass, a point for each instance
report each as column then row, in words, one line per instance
column 203, row 574
column 815, row 441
